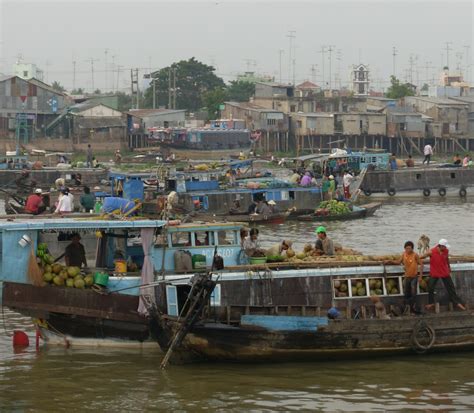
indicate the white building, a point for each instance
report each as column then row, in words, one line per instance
column 360, row 80
column 27, row 71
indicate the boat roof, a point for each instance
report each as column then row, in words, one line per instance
column 197, row 226
column 77, row 224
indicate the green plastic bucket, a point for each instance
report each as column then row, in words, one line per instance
column 101, row 278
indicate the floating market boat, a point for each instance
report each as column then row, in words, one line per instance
column 423, row 179
column 275, row 311
column 276, row 218
column 358, row 211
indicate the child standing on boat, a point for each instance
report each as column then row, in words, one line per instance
column 413, row 265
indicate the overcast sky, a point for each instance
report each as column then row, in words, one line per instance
column 235, row 36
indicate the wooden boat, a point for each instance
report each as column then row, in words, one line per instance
column 261, row 312
column 277, row 218
column 362, row 211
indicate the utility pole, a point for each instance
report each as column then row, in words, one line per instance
column 323, row 52
column 339, row 59
column 394, row 55
column 119, row 69
column 73, row 75
column 468, row 64
column 280, row 53
column 91, row 61
column 427, row 67
column 169, row 88
column 459, row 56
column 330, row 50
column 134, row 85
column 291, row 36
column 112, row 71
column 174, row 87
column 411, row 62
column 448, row 49
column 313, row 72
column 106, row 51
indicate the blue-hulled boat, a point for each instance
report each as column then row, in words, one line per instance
column 249, row 312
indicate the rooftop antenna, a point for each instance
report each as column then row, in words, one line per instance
column 394, row 55
column 73, row 75
column 291, row 36
column 330, row 50
column 323, row 52
column 91, row 61
column 280, row 54
column 448, row 49
column 468, row 64
column 106, row 52
column 112, row 66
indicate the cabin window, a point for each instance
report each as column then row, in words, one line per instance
column 453, row 175
column 291, row 194
column 225, row 237
column 284, row 195
column 172, row 300
column 418, row 176
column 374, row 159
column 179, row 239
column 203, row 238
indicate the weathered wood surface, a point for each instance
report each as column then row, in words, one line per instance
column 50, row 299
column 340, row 339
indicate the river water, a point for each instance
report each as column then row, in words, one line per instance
column 57, row 379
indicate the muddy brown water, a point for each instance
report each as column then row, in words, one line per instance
column 57, row 379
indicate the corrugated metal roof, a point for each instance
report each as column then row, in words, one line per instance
column 252, row 106
column 76, row 224
column 139, row 113
column 436, row 101
column 99, row 122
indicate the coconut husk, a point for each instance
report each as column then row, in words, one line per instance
column 35, row 273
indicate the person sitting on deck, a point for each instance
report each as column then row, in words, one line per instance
column 295, row 177
column 87, row 200
column 252, row 208
column 410, row 163
column 235, row 209
column 263, row 208
column 441, row 269
column 324, row 244
column 273, row 206
column 64, row 202
column 34, row 203
column 279, row 248
column 75, row 254
column 457, row 160
column 306, row 180
column 413, row 272
column 251, row 244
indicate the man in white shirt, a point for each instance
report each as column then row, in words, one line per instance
column 64, row 203
column 427, row 151
column 346, row 183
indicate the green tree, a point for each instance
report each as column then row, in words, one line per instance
column 398, row 90
column 425, row 87
column 213, row 99
column 193, row 80
column 124, row 101
column 57, row 86
column 79, row 91
column 240, row 90
column 97, row 92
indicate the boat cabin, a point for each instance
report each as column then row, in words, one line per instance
column 117, row 247
column 357, row 161
column 13, row 162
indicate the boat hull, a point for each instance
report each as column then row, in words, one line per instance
column 366, row 211
column 344, row 339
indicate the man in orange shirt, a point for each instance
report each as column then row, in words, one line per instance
column 413, row 265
